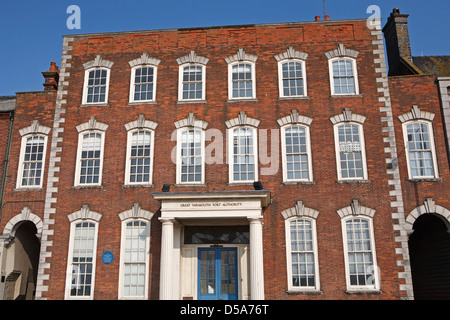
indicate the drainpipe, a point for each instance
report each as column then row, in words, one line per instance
column 5, row 163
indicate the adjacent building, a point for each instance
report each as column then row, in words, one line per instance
column 269, row 161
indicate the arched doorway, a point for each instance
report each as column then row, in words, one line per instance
column 22, row 263
column 429, row 250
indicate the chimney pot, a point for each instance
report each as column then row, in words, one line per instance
column 53, row 67
column 51, row 77
column 327, row 17
column 317, row 18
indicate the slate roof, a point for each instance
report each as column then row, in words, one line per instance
column 7, row 103
column 437, row 65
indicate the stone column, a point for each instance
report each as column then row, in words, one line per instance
column 165, row 283
column 256, row 259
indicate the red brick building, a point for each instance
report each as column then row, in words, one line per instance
column 237, row 162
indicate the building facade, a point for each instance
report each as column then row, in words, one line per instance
column 237, row 162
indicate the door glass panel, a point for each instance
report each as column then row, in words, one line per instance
column 207, row 272
column 228, row 272
column 217, row 273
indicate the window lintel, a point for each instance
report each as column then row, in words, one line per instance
column 348, row 116
column 97, row 63
column 242, row 120
column 35, row 128
column 356, row 209
column 241, row 55
column 341, row 51
column 92, row 124
column 192, row 58
column 416, row 114
column 294, row 118
column 291, row 53
column 144, row 59
column 141, row 123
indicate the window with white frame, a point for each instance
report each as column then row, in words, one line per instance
column 96, row 81
column 90, row 158
column 143, row 83
column 31, row 167
column 191, row 156
column 242, row 81
column 243, row 154
column 296, row 153
column 420, row 149
column 192, row 77
column 134, row 259
column 350, row 151
column 302, row 254
column 143, row 79
column 89, row 163
column 32, row 156
column 301, row 248
column 192, row 82
column 292, row 78
column 359, row 250
column 134, row 253
column 97, row 85
column 343, row 76
column 82, row 253
column 139, row 164
column 241, row 75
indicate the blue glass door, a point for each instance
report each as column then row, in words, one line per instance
column 217, row 274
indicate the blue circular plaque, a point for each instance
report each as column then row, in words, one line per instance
column 107, row 257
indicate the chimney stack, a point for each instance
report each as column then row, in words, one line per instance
column 51, row 77
column 397, row 41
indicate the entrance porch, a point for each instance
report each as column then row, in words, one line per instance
column 182, row 261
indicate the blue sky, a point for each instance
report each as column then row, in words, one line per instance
column 31, row 31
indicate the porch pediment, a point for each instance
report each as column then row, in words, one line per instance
column 212, row 204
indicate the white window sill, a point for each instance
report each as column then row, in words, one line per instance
column 137, row 103
column 87, row 187
column 294, row 98
column 307, row 292
column 190, row 185
column 232, row 100
column 288, row 183
column 363, row 291
column 28, row 189
column 138, row 185
column 231, row 184
column 425, row 179
column 191, row 101
column 103, row 104
column 353, row 181
column 346, row 96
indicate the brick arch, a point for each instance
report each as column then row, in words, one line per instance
column 429, row 206
column 25, row 215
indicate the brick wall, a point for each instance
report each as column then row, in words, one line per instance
column 423, row 92
column 325, row 194
column 29, row 107
column 4, row 132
